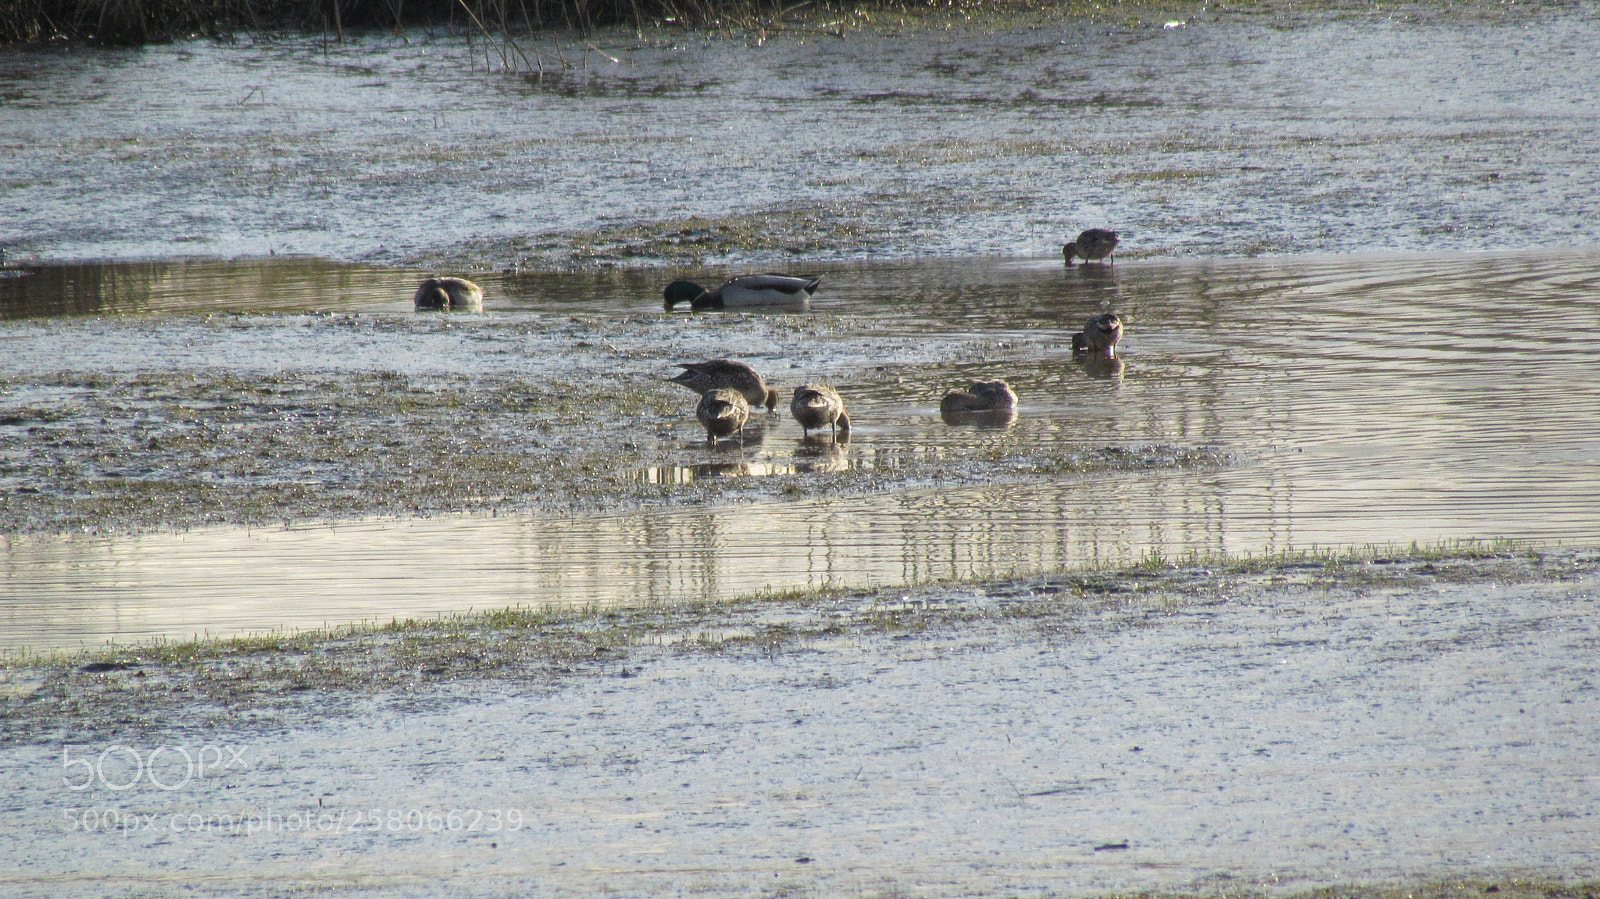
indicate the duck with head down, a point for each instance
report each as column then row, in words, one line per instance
column 1091, row 245
column 723, row 413
column 706, row 376
column 784, row 292
column 818, row 406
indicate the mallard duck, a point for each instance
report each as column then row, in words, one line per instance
column 705, row 376
column 1099, row 335
column 449, row 295
column 744, row 292
column 980, row 396
column 817, row 406
column 1095, row 243
column 723, row 412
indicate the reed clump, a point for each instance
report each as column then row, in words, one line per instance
column 154, row 21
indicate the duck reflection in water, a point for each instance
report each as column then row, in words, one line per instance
column 984, row 404
column 1095, row 277
column 822, row 452
column 708, row 470
column 1103, row 367
column 987, row 420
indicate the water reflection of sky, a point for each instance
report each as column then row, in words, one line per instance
column 1363, row 401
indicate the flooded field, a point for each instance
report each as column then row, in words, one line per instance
column 1360, row 277
column 256, row 407
column 1259, row 406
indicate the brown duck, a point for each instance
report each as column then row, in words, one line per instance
column 817, row 406
column 723, row 412
column 980, row 396
column 706, row 376
column 1099, row 335
column 1091, row 245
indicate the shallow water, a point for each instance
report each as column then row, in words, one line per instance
column 1360, row 398
column 1361, row 401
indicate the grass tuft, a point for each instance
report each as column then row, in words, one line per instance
column 504, row 24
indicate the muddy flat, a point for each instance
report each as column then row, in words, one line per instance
column 1198, row 730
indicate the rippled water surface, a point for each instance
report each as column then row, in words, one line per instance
column 1361, row 400
column 1417, row 364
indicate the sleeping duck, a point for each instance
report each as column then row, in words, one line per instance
column 448, row 295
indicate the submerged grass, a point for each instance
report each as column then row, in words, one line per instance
column 1334, row 559
column 170, row 449
column 279, row 679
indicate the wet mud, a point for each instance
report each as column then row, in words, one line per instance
column 567, row 416
column 1204, row 730
column 1198, row 133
